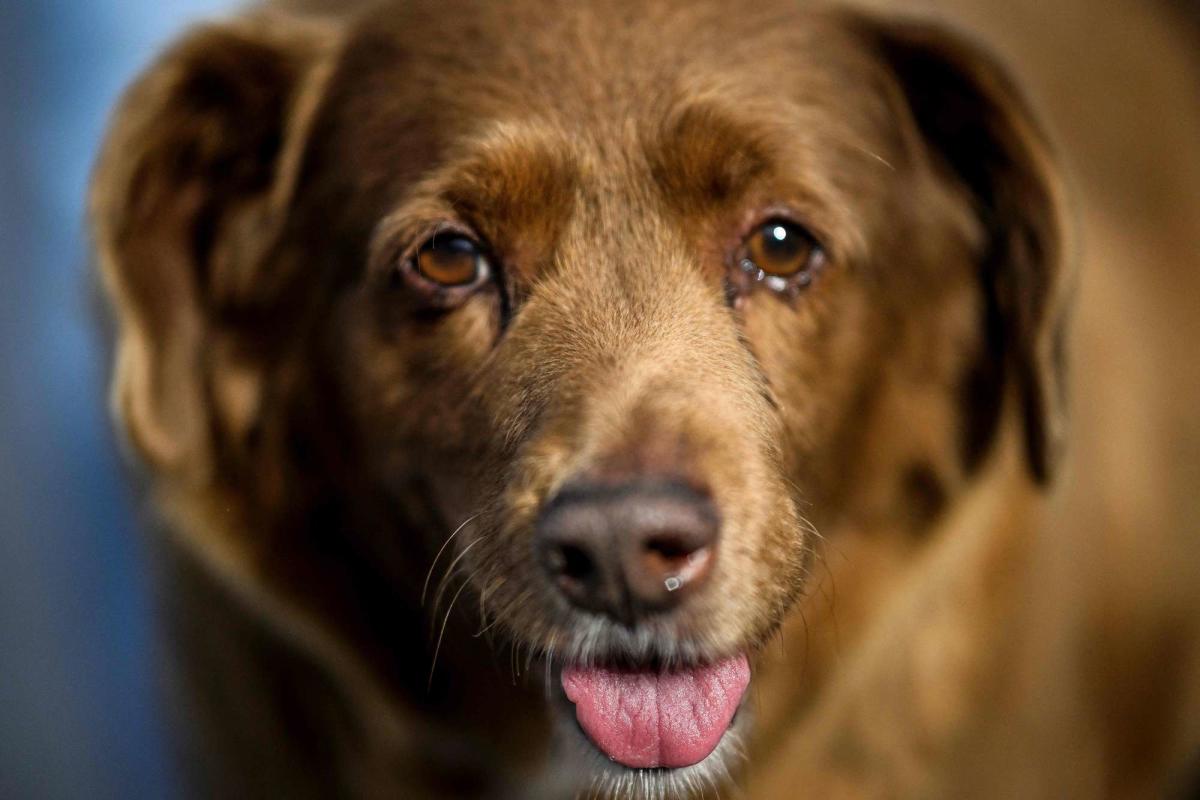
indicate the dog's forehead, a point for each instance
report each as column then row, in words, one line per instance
column 604, row 73
column 514, row 112
column 589, row 49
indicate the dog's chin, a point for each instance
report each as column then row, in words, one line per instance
column 599, row 774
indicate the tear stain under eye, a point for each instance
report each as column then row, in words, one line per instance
column 762, row 381
column 750, row 275
column 924, row 495
column 732, row 295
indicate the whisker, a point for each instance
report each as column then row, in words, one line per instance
column 549, row 662
column 529, row 656
column 873, row 155
column 437, row 600
column 445, row 620
column 441, row 550
column 486, row 626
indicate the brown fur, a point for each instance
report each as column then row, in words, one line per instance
column 353, row 467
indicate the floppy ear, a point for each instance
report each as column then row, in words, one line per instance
column 187, row 199
column 978, row 128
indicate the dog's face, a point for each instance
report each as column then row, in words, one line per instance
column 636, row 300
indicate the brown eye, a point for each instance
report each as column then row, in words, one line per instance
column 451, row 259
column 782, row 249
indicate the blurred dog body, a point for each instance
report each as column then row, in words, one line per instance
column 1108, row 599
column 1001, row 618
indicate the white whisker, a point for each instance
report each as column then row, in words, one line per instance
column 873, row 155
column 438, row 648
column 441, row 550
column 437, row 600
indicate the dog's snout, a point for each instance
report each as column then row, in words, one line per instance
column 628, row 550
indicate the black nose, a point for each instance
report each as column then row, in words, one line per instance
column 629, row 549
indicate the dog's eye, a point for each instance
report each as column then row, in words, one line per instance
column 451, row 259
column 781, row 250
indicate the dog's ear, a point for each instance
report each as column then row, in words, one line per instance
column 187, row 198
column 978, row 128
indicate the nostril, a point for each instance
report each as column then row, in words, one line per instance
column 674, row 561
column 670, row 548
column 573, row 562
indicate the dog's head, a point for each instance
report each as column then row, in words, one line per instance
column 629, row 301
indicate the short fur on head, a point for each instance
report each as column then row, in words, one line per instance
column 325, row 434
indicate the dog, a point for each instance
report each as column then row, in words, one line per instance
column 617, row 398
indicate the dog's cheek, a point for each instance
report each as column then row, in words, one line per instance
column 786, row 553
column 763, row 541
column 769, row 554
column 406, row 382
column 513, row 487
column 820, row 357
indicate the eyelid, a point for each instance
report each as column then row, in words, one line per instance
column 427, row 234
column 795, row 207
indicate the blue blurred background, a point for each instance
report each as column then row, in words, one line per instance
column 78, row 696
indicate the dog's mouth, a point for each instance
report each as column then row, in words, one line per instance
column 649, row 717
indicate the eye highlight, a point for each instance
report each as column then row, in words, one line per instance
column 451, row 259
column 782, row 254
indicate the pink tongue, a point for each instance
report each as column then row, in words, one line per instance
column 649, row 719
